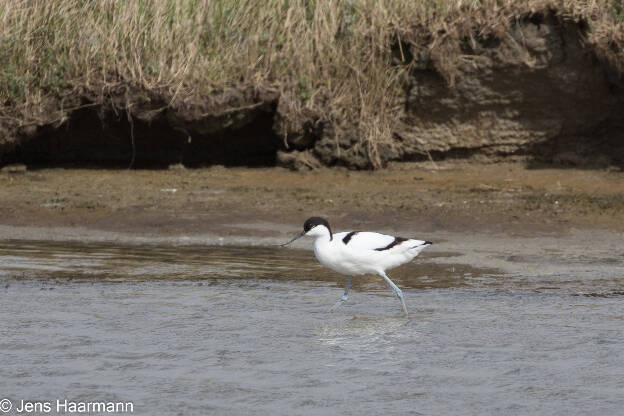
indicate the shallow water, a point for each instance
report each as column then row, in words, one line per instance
column 216, row 330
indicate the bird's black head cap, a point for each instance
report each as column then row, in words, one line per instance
column 313, row 222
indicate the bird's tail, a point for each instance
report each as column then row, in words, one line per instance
column 423, row 245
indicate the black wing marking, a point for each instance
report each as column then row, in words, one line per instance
column 348, row 237
column 396, row 241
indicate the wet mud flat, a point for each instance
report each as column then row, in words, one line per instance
column 195, row 329
column 264, row 204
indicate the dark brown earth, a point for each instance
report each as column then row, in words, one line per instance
column 454, row 197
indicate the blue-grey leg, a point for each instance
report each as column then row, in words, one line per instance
column 396, row 289
column 345, row 296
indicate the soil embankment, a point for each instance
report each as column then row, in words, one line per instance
column 532, row 80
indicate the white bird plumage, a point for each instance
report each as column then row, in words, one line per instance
column 355, row 253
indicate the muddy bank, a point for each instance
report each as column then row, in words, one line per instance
column 538, row 93
column 272, row 202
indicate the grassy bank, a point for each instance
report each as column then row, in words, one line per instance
column 344, row 61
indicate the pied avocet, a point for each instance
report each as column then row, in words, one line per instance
column 355, row 253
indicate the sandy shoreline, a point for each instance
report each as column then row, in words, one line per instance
column 497, row 216
column 576, row 254
column 411, row 197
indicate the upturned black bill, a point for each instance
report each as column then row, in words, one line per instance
column 296, row 237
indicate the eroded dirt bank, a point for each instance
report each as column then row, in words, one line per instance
column 538, row 92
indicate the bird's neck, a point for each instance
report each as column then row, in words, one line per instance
column 322, row 240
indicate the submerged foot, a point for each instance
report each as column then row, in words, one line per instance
column 399, row 294
column 342, row 300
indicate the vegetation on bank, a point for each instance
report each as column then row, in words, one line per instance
column 345, row 60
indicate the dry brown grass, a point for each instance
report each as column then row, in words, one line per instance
column 343, row 60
